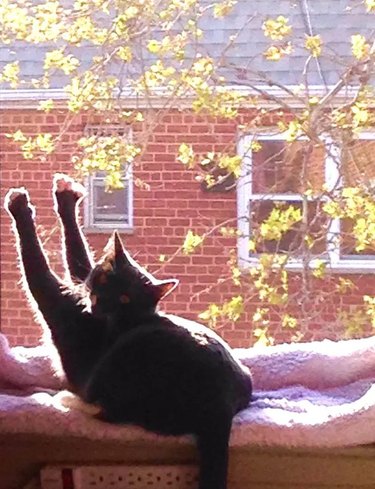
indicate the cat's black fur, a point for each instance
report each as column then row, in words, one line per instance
column 164, row 373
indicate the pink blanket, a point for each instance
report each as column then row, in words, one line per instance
column 319, row 394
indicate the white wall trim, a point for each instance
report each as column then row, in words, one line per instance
column 30, row 98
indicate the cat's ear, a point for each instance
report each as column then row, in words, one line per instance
column 115, row 252
column 163, row 287
column 121, row 258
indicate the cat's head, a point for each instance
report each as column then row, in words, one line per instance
column 119, row 284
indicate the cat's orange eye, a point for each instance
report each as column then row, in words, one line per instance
column 124, row 299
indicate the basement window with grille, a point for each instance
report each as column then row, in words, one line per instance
column 105, row 211
column 278, row 176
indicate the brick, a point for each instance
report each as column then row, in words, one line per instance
column 178, row 128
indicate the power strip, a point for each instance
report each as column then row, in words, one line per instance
column 120, row 477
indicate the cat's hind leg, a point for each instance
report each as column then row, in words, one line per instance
column 67, row 195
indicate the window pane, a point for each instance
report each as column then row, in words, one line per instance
column 358, row 162
column 110, row 206
column 293, row 240
column 281, row 167
column 358, row 167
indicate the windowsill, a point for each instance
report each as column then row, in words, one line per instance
column 342, row 266
column 107, row 230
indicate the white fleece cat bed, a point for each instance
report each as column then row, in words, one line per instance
column 319, row 394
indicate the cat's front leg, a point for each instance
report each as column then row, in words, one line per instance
column 18, row 204
column 67, row 195
column 44, row 285
column 77, row 335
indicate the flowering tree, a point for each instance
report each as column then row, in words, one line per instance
column 301, row 216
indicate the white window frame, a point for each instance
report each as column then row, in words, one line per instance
column 89, row 221
column 245, row 196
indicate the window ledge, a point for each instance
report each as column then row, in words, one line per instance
column 107, row 229
column 342, row 266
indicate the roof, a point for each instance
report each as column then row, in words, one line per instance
column 333, row 20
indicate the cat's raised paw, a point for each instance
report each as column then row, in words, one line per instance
column 63, row 184
column 17, row 200
column 67, row 193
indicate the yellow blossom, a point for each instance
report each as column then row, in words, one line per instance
column 46, row 105
column 10, row 74
column 223, row 8
column 277, row 28
column 186, row 155
column 275, row 53
column 360, row 48
column 314, row 45
column 191, row 242
column 370, row 5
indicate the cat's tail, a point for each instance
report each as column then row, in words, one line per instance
column 213, row 441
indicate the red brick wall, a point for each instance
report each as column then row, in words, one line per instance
column 162, row 216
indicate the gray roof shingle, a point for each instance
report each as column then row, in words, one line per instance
column 331, row 19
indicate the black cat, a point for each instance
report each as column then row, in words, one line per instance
column 164, row 373
column 67, row 195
